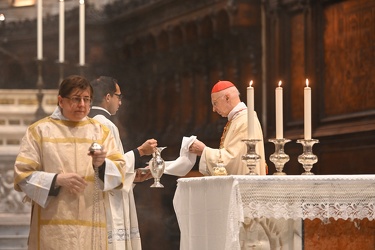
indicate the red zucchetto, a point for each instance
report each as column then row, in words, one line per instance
column 221, row 85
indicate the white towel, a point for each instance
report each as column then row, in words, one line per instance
column 183, row 164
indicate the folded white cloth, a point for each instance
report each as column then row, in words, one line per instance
column 183, row 164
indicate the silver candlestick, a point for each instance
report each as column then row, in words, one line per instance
column 61, row 72
column 307, row 158
column 279, row 158
column 251, row 157
column 40, row 113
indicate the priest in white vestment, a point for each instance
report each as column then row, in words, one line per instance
column 57, row 172
column 122, row 221
column 260, row 234
column 225, row 99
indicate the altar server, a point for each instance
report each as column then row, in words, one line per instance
column 55, row 169
column 122, row 221
column 225, row 99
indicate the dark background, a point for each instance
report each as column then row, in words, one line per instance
column 167, row 55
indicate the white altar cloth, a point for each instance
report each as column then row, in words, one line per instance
column 210, row 209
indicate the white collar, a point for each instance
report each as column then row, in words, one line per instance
column 97, row 107
column 57, row 114
column 239, row 107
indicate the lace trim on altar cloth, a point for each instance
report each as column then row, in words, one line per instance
column 320, row 211
column 297, row 196
column 343, row 197
column 123, row 235
column 235, row 216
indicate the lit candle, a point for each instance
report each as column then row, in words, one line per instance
column 250, row 111
column 307, row 111
column 61, row 30
column 81, row 32
column 39, row 30
column 279, row 111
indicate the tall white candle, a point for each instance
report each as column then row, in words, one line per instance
column 279, row 111
column 39, row 29
column 61, row 30
column 307, row 111
column 81, row 32
column 250, row 111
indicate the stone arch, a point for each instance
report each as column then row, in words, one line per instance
column 176, row 37
column 206, row 27
column 162, row 41
column 137, row 48
column 191, row 32
column 222, row 22
column 149, row 44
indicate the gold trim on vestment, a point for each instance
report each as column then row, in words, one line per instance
column 27, row 161
column 72, row 222
column 70, row 140
column 225, row 131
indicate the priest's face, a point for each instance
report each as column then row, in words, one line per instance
column 76, row 106
column 115, row 101
column 219, row 102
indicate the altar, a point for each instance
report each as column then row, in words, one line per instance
column 212, row 212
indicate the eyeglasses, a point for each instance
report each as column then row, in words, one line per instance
column 77, row 100
column 120, row 96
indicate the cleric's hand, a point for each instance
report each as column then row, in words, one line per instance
column 142, row 175
column 197, row 147
column 72, row 182
column 148, row 147
column 98, row 157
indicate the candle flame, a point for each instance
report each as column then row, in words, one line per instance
column 307, row 82
column 81, row 1
column 279, row 83
column 251, row 83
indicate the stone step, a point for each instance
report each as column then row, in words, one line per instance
column 6, row 244
column 13, row 248
column 13, row 237
column 14, row 231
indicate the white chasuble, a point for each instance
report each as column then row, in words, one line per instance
column 232, row 148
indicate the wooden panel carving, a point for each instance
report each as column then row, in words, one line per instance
column 200, row 100
column 340, row 234
column 186, row 102
column 349, row 48
column 214, row 76
column 297, row 67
